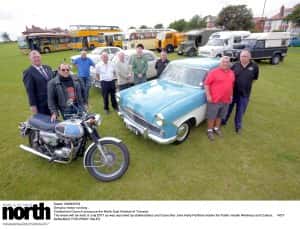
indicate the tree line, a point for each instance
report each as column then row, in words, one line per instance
column 232, row 17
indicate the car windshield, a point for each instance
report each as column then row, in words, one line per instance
column 215, row 42
column 97, row 51
column 249, row 43
column 184, row 75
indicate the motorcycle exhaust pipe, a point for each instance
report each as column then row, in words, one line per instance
column 37, row 153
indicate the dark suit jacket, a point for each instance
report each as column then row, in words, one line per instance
column 36, row 87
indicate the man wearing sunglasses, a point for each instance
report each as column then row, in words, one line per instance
column 64, row 90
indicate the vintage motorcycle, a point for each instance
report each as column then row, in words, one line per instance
column 106, row 158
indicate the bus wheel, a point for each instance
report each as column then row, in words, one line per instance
column 92, row 47
column 170, row 48
column 46, row 50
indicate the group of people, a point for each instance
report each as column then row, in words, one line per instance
column 228, row 86
column 51, row 94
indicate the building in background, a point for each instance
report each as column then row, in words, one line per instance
column 277, row 22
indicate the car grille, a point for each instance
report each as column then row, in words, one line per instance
column 139, row 120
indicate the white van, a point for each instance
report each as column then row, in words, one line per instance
column 220, row 41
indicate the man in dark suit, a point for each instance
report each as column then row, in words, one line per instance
column 35, row 79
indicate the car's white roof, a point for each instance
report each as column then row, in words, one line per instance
column 228, row 34
column 130, row 52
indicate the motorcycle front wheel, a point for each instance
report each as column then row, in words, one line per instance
column 115, row 165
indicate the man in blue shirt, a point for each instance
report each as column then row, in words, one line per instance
column 83, row 64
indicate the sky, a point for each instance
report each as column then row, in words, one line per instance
column 16, row 14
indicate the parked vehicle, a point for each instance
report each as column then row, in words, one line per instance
column 165, row 109
column 220, row 41
column 146, row 37
column 271, row 46
column 44, row 42
column 106, row 159
column 195, row 39
column 149, row 55
column 92, row 36
column 294, row 41
column 169, row 40
column 95, row 55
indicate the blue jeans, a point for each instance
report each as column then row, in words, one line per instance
column 86, row 82
column 241, row 103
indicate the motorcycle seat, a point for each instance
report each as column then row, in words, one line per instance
column 42, row 122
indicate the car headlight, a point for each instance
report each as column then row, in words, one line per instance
column 159, row 119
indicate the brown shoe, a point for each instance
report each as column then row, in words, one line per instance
column 218, row 132
column 210, row 135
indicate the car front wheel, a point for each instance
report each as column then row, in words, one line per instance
column 183, row 132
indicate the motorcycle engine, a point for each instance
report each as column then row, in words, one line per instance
column 49, row 138
column 63, row 152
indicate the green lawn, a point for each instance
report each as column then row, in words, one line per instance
column 261, row 164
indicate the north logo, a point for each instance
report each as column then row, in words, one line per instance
column 38, row 212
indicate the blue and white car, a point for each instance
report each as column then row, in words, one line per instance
column 165, row 109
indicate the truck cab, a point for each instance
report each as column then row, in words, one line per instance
column 271, row 46
column 195, row 39
column 169, row 40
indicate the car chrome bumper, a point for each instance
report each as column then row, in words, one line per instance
column 138, row 129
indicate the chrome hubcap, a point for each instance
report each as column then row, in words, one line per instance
column 182, row 131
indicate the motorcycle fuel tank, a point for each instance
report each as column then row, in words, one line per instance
column 70, row 129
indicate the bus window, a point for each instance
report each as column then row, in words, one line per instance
column 168, row 36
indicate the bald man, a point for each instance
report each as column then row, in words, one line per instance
column 219, row 89
column 35, row 79
column 83, row 64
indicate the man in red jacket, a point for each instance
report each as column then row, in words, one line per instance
column 219, row 88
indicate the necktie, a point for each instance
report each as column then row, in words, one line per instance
column 43, row 73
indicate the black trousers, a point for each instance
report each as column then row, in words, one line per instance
column 109, row 89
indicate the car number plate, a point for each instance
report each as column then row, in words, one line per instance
column 133, row 129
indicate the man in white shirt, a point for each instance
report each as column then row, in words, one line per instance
column 106, row 74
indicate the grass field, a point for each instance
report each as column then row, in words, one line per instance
column 261, row 164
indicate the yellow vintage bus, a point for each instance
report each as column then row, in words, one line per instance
column 92, row 36
column 44, row 42
column 147, row 37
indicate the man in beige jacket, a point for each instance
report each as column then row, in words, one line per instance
column 123, row 72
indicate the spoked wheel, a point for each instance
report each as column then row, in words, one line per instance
column 113, row 166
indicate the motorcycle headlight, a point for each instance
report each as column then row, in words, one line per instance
column 159, row 119
column 98, row 119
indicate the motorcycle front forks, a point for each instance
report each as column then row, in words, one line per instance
column 95, row 138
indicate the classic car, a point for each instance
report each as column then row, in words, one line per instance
column 95, row 55
column 165, row 109
column 149, row 55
